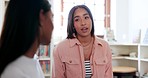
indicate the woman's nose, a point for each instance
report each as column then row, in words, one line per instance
column 83, row 22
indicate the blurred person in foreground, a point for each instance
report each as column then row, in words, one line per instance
column 27, row 24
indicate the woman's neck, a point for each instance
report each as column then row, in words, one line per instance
column 85, row 40
column 33, row 49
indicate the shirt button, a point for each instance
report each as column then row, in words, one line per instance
column 104, row 61
column 70, row 61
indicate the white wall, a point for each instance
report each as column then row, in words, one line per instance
column 1, row 14
column 131, row 15
column 57, row 33
column 113, row 15
column 122, row 21
column 138, row 16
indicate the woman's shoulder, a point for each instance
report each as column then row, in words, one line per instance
column 62, row 42
column 66, row 43
column 100, row 40
column 20, row 68
column 12, row 71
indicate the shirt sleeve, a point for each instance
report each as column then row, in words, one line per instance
column 58, row 70
column 109, row 73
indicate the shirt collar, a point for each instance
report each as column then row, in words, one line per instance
column 98, row 41
column 75, row 41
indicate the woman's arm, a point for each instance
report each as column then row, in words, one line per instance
column 58, row 66
column 109, row 73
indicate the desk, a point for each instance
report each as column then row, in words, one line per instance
column 121, row 71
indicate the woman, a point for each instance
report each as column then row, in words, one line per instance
column 82, row 54
column 27, row 24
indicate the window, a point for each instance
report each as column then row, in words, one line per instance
column 100, row 10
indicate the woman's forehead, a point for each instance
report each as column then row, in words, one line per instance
column 80, row 11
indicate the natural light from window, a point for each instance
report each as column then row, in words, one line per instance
column 97, row 8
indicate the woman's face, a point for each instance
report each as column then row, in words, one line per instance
column 46, row 27
column 82, row 22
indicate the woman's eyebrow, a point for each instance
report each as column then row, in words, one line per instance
column 76, row 16
column 83, row 15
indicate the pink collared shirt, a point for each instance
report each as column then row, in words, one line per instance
column 69, row 60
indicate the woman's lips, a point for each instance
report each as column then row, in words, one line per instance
column 84, row 30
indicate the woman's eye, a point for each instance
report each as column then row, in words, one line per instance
column 76, row 20
column 87, row 17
